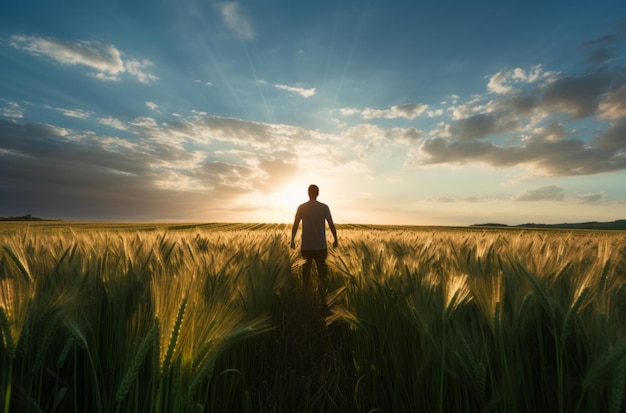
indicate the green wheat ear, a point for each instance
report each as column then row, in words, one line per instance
column 538, row 289
column 66, row 350
column 167, row 361
column 133, row 369
column 602, row 367
column 5, row 325
column 78, row 335
column 18, row 263
column 571, row 313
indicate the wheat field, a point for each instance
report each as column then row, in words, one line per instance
column 216, row 317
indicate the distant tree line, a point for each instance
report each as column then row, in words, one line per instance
column 615, row 225
column 27, row 217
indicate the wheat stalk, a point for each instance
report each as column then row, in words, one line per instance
column 618, row 381
column 133, row 369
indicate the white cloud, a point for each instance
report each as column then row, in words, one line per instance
column 12, row 110
column 75, row 113
column 235, row 19
column 434, row 113
column 502, row 82
column 298, row 90
column 105, row 59
column 152, row 105
column 349, row 111
column 137, row 69
column 113, row 122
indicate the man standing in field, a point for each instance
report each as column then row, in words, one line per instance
column 314, row 216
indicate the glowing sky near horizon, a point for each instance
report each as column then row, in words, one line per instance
column 421, row 113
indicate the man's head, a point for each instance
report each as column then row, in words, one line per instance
column 314, row 191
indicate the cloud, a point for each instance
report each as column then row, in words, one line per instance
column 483, row 125
column 408, row 111
column 153, row 174
column 105, row 59
column 11, row 110
column 236, row 20
column 613, row 139
column 137, row 69
column 297, row 90
column 521, row 122
column 408, row 136
column 75, row 113
column 113, row 123
column 567, row 157
column 613, row 106
column 578, row 96
column 502, row 82
column 589, row 199
column 545, row 193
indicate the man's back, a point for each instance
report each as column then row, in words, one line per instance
column 314, row 215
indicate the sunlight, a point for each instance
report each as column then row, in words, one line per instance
column 291, row 195
column 279, row 206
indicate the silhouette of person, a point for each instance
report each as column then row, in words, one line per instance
column 314, row 216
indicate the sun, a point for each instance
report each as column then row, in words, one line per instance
column 291, row 195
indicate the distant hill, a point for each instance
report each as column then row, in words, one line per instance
column 615, row 225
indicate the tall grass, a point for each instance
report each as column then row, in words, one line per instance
column 216, row 318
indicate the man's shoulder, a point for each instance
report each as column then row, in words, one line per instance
column 313, row 207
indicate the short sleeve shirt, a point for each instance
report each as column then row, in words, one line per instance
column 314, row 215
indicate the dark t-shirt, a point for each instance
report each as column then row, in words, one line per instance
column 314, row 215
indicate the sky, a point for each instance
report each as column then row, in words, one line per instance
column 402, row 112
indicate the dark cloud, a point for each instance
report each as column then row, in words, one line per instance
column 483, row 125
column 545, row 193
column 613, row 139
column 225, row 175
column 562, row 157
column 578, row 96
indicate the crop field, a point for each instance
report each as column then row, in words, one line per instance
column 216, row 317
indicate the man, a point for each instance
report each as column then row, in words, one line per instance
column 313, row 215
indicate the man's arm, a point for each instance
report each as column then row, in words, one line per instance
column 294, row 228
column 331, row 225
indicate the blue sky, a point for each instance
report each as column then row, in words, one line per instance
column 425, row 113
